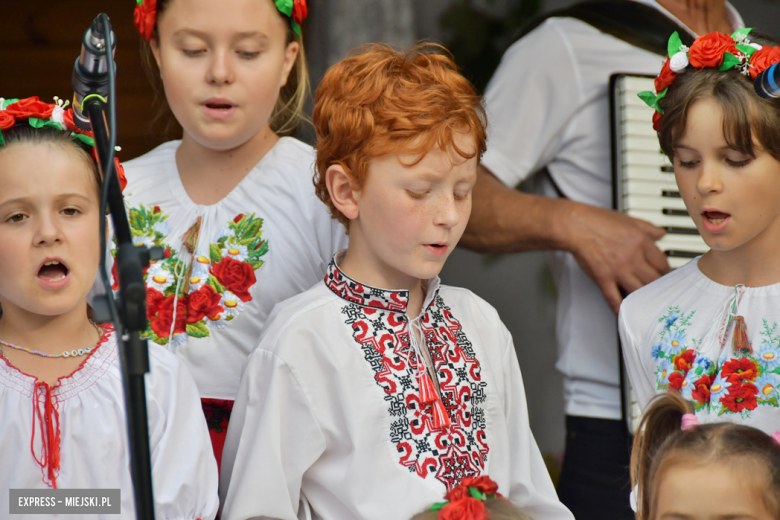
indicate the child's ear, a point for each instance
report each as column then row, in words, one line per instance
column 155, row 46
column 342, row 192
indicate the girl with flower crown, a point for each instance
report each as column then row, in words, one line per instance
column 232, row 203
column 62, row 401
column 709, row 330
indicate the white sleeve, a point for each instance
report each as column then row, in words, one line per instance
column 532, row 489
column 272, row 439
column 184, row 470
column 642, row 381
column 531, row 98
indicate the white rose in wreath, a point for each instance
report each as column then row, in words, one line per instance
column 678, row 62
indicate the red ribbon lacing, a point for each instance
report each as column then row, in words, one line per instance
column 49, row 420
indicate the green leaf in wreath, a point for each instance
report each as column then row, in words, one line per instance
column 729, row 61
column 673, row 47
column 197, row 329
column 747, row 50
column 215, row 253
column 736, row 34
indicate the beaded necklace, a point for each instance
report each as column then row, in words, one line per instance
column 64, row 354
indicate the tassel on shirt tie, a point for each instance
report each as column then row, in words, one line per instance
column 741, row 341
column 49, row 419
column 440, row 417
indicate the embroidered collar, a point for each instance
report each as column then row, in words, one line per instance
column 367, row 296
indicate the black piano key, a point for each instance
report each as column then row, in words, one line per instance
column 680, row 254
column 674, row 230
column 667, row 168
column 671, row 194
column 675, row 212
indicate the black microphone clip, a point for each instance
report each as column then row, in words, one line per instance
column 90, row 72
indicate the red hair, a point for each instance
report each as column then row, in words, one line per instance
column 381, row 101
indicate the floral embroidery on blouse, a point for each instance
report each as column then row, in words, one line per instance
column 728, row 385
column 207, row 294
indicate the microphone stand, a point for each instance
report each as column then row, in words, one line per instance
column 128, row 310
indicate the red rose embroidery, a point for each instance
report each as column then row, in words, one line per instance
column 161, row 324
column 153, row 300
column 684, row 361
column 6, row 120
column 676, row 380
column 236, row 276
column 203, row 302
column 145, row 16
column 738, row 370
column 708, row 50
column 30, row 107
column 657, row 121
column 665, row 78
column 740, row 397
column 464, row 509
column 238, row 218
column 483, row 484
column 701, row 389
column 763, row 59
column 299, row 11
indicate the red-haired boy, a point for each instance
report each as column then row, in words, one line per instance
column 376, row 392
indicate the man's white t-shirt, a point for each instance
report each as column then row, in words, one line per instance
column 548, row 106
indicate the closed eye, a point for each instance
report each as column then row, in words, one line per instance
column 416, row 195
column 738, row 164
column 248, row 55
column 193, row 53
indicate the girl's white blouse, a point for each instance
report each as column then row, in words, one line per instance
column 678, row 333
column 269, row 239
column 328, row 423
column 94, row 452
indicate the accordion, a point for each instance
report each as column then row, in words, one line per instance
column 644, row 187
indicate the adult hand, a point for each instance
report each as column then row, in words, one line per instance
column 616, row 251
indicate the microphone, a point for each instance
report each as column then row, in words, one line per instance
column 90, row 72
column 766, row 83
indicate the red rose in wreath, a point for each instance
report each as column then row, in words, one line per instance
column 161, row 324
column 708, row 50
column 299, row 11
column 6, row 120
column 763, row 59
column 203, row 302
column 738, row 370
column 665, row 78
column 145, row 16
column 464, row 509
column 657, row 121
column 237, row 277
column 459, row 492
column 740, row 397
column 483, row 484
column 701, row 389
column 30, row 107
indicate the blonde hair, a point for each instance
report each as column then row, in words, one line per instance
column 288, row 111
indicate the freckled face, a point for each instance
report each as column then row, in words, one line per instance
column 733, row 198
column 711, row 491
column 48, row 215
column 412, row 217
column 222, row 64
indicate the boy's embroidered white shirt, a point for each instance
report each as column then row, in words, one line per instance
column 267, row 240
column 328, row 421
column 677, row 333
column 94, row 452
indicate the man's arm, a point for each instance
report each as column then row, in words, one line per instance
column 615, row 250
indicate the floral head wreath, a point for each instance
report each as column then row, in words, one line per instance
column 146, row 15
column 711, row 50
column 39, row 114
column 466, row 500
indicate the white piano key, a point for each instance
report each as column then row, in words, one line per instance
column 695, row 244
column 640, row 158
column 641, row 128
column 661, row 220
column 644, row 143
column 645, row 173
column 653, row 188
column 652, row 203
column 637, row 84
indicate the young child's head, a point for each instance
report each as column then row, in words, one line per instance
column 473, row 499
column 697, row 472
column 723, row 139
column 229, row 68
column 49, row 215
column 399, row 136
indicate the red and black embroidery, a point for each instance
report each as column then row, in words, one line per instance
column 381, row 328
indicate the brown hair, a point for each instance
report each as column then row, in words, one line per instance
column 288, row 111
column 500, row 509
column 663, row 444
column 747, row 118
column 380, row 101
